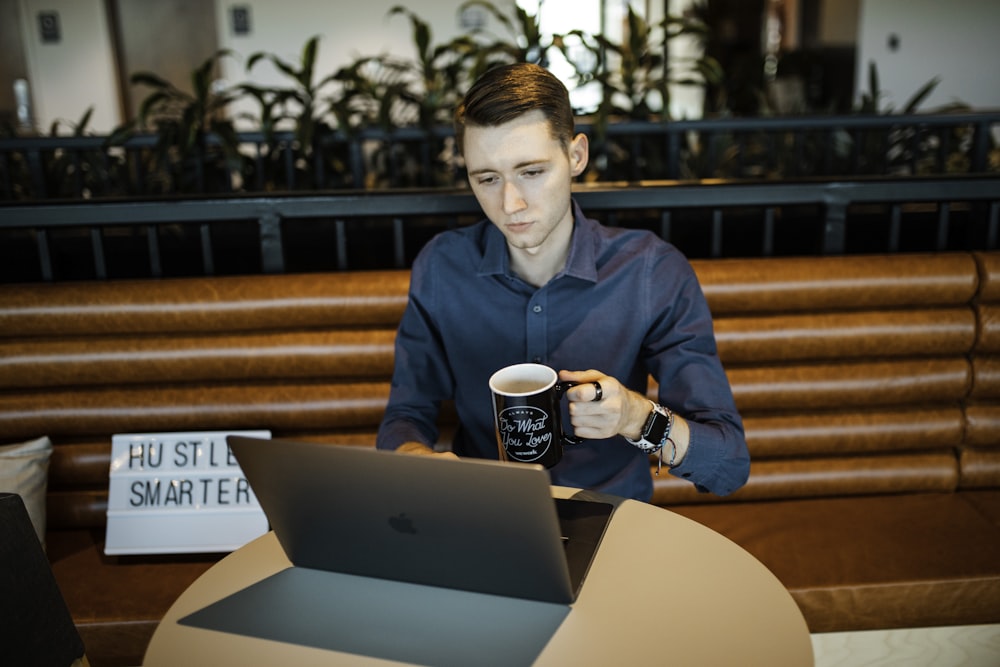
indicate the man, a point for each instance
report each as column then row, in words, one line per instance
column 537, row 281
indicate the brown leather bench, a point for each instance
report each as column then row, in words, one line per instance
column 869, row 386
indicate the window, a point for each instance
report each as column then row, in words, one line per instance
column 609, row 18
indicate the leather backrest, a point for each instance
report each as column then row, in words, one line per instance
column 854, row 374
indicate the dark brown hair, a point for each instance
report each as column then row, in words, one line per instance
column 505, row 93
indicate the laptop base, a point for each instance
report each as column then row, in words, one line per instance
column 391, row 620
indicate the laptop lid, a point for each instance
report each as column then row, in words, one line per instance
column 473, row 525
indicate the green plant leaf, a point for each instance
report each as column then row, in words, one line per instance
column 150, row 103
column 149, row 79
column 121, row 134
column 874, row 89
column 309, row 61
column 921, row 95
column 255, row 58
column 81, row 125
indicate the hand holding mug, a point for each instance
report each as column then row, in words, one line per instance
column 601, row 407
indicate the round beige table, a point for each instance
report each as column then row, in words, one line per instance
column 662, row 589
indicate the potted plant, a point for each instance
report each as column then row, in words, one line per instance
column 635, row 79
column 196, row 148
column 301, row 103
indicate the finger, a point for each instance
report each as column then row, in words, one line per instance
column 581, row 376
column 598, row 391
column 591, row 385
column 587, row 392
column 593, row 426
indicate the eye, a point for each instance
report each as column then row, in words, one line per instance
column 486, row 180
column 534, row 171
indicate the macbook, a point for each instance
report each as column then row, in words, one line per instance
column 473, row 525
column 423, row 560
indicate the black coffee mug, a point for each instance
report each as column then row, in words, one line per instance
column 527, row 414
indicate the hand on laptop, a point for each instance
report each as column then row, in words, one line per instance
column 423, row 450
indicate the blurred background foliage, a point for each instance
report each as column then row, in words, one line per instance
column 385, row 121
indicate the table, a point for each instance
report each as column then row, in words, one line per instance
column 662, row 589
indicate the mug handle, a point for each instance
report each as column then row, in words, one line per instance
column 561, row 388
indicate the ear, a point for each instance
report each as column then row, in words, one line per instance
column 579, row 154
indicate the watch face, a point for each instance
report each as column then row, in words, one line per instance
column 656, row 428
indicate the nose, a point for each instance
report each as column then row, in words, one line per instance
column 512, row 199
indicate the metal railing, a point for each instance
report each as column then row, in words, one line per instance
column 71, row 240
column 792, row 147
column 777, row 148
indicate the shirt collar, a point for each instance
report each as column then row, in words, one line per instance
column 582, row 260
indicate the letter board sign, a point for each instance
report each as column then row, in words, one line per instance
column 179, row 493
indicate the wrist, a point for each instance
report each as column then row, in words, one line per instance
column 656, row 429
column 668, row 454
column 680, row 440
column 639, row 410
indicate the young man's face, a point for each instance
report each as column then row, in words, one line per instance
column 521, row 176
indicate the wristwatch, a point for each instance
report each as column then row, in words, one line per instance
column 656, row 430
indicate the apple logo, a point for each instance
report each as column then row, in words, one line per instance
column 402, row 524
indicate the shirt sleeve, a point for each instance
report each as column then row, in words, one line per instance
column 682, row 356
column 421, row 377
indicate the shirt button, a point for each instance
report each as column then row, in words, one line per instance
column 537, row 309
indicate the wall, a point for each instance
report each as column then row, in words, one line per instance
column 282, row 28
column 74, row 73
column 958, row 41
column 838, row 22
column 366, row 29
column 169, row 37
column 78, row 72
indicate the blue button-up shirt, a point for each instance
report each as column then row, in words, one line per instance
column 627, row 304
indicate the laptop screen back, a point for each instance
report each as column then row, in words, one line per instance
column 473, row 525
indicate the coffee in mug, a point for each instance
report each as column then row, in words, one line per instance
column 526, row 410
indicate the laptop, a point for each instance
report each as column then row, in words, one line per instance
column 473, row 525
column 380, row 539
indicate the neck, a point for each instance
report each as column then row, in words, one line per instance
column 537, row 266
column 535, row 269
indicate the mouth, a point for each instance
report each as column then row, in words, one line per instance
column 517, row 227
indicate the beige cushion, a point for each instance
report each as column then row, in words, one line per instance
column 24, row 470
